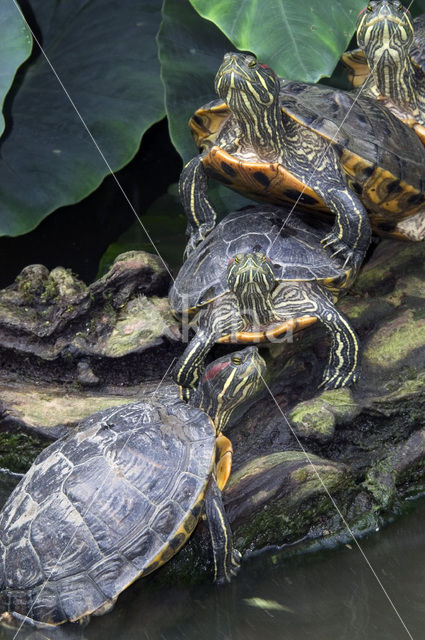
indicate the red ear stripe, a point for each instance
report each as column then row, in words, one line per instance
column 266, row 66
column 215, row 369
column 362, row 11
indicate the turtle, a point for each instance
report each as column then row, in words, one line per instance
column 390, row 63
column 118, row 497
column 260, row 274
column 312, row 145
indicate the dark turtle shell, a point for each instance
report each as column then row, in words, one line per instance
column 103, row 506
column 382, row 158
column 294, row 248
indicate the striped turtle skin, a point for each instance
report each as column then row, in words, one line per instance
column 390, row 63
column 327, row 147
column 262, row 272
column 117, row 498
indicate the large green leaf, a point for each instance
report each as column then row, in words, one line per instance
column 105, row 54
column 300, row 40
column 15, row 47
column 191, row 50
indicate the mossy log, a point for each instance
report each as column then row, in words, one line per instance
column 306, row 464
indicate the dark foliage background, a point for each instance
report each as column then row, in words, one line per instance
column 134, row 72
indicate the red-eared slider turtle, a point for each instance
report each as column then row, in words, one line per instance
column 259, row 274
column 304, row 143
column 117, row 498
column 390, row 63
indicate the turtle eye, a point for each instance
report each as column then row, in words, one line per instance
column 251, row 61
column 369, row 7
column 236, row 360
column 237, row 260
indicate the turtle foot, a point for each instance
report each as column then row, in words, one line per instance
column 336, row 378
column 347, row 257
column 195, row 238
column 231, row 569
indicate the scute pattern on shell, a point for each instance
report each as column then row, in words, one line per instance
column 293, row 247
column 102, row 504
column 369, row 132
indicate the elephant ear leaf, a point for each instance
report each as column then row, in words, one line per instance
column 104, row 53
column 300, row 40
column 15, row 47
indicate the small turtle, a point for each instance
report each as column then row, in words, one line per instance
column 324, row 148
column 259, row 274
column 118, row 497
column 390, row 63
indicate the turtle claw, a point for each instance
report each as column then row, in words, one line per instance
column 196, row 236
column 342, row 253
column 193, row 242
column 335, row 378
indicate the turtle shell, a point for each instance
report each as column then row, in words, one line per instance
column 103, row 506
column 293, row 247
column 382, row 158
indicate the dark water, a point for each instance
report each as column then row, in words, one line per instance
column 326, row 595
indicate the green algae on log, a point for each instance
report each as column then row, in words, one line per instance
column 364, row 445
column 55, row 327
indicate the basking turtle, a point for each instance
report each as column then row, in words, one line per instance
column 259, row 274
column 292, row 141
column 390, row 63
column 118, row 497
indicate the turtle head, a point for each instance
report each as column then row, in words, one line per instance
column 385, row 26
column 245, row 84
column 250, row 269
column 229, row 382
column 251, row 278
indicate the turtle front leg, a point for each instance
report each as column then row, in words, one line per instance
column 226, row 558
column 303, row 299
column 350, row 236
column 220, row 318
column 201, row 215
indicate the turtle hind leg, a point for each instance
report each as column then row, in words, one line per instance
column 226, row 558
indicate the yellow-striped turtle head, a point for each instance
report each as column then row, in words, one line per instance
column 229, row 382
column 385, row 27
column 251, row 278
column 245, row 84
column 250, row 271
